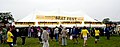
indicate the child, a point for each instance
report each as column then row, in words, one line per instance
column 97, row 32
column 84, row 34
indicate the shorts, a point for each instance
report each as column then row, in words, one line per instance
column 10, row 44
column 97, row 37
column 85, row 37
column 75, row 36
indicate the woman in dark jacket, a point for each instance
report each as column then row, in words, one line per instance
column 23, row 35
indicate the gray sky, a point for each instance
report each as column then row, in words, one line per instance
column 97, row 9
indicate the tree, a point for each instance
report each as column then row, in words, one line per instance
column 6, row 17
column 106, row 20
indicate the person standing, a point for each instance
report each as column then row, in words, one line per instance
column 29, row 31
column 64, row 36
column 56, row 33
column 52, row 34
column 1, row 35
column 10, row 37
column 75, row 34
column 59, row 34
column 23, row 35
column 49, row 31
column 45, row 37
column 84, row 33
column 107, row 29
column 97, row 32
column 35, row 32
column 4, row 34
column 39, row 34
column 119, row 31
column 14, row 32
column 32, row 31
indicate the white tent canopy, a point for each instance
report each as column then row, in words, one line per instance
column 32, row 17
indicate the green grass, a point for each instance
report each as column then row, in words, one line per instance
column 34, row 42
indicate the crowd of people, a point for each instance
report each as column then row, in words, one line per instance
column 9, row 34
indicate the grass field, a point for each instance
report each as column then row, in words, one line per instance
column 34, row 42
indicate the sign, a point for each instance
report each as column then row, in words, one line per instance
column 59, row 18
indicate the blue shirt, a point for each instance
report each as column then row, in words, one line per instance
column 75, row 31
column 107, row 30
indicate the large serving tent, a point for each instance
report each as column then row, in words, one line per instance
column 67, row 19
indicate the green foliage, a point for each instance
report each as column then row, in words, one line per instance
column 34, row 42
column 6, row 17
column 106, row 20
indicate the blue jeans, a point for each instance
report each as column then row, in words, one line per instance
column 64, row 41
column 29, row 34
column 56, row 36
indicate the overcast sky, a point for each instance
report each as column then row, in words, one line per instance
column 97, row 9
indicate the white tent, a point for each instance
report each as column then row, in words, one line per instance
column 32, row 18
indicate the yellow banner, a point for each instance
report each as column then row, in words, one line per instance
column 59, row 18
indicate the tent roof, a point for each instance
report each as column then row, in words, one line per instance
column 32, row 17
